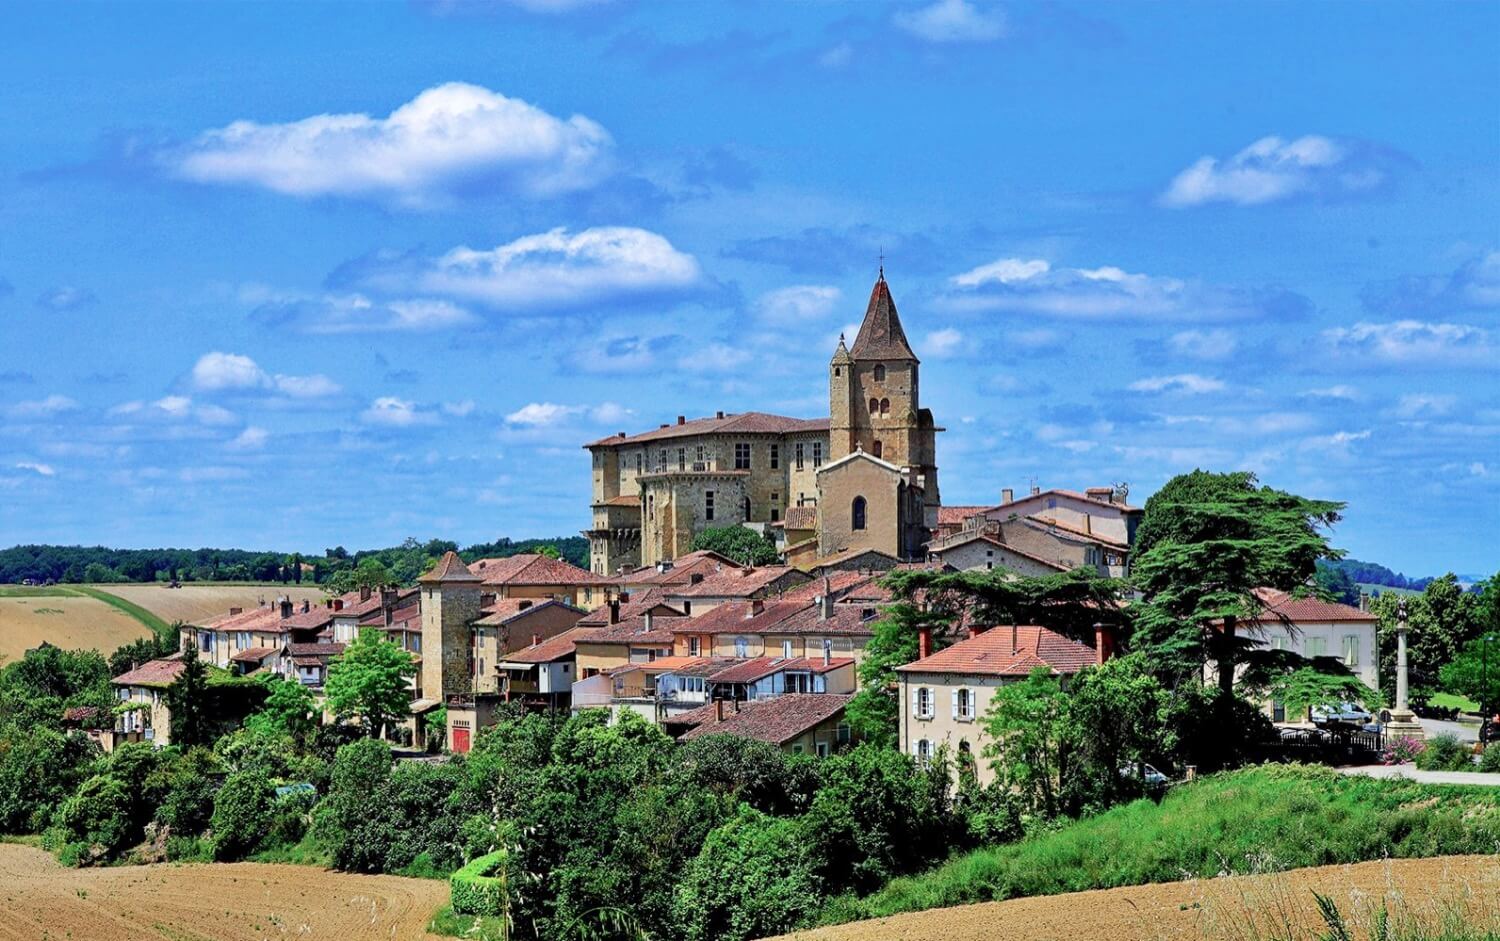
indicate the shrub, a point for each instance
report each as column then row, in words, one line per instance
column 242, row 814
column 98, row 815
column 356, row 820
column 189, row 785
column 752, row 878
column 480, row 888
column 39, row 768
column 1445, row 753
column 1490, row 760
column 1402, row 751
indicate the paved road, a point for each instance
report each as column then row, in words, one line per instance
column 1463, row 731
column 1426, row 777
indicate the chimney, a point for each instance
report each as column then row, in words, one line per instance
column 614, row 611
column 1035, row 490
column 388, row 597
column 1007, row 496
column 825, row 603
column 234, row 611
column 719, row 413
column 536, row 639
column 524, row 603
column 1015, row 639
column 364, row 593
column 682, row 419
column 338, row 604
column 1104, row 642
column 827, row 651
column 646, row 620
column 286, row 608
column 306, row 606
column 756, row 607
column 736, row 705
column 924, row 643
column 718, row 710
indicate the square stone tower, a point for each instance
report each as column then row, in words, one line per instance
column 450, row 603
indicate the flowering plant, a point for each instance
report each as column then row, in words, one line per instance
column 1402, row 751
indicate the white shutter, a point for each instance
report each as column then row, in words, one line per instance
column 916, row 702
column 955, row 704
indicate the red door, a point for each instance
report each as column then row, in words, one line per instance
column 460, row 740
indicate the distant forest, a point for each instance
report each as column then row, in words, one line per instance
column 44, row 564
column 1373, row 573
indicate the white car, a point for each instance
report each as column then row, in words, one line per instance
column 1154, row 778
column 1346, row 712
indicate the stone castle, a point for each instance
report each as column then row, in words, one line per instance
column 863, row 478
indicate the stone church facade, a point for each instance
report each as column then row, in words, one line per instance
column 869, row 468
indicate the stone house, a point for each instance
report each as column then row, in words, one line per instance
column 539, row 577
column 142, row 714
column 797, row 723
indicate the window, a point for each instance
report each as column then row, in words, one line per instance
column 786, row 650
column 640, row 460
column 741, row 647
column 922, row 702
column 1351, row 650
column 206, row 642
column 924, row 750
column 742, row 456
column 682, row 459
column 797, row 455
column 661, row 461
column 857, row 515
column 837, row 371
column 650, row 506
column 1278, row 643
column 775, row 456
column 699, row 457
column 885, row 407
column 843, row 733
column 877, row 449
column 708, row 504
column 874, row 406
column 694, row 645
column 817, row 454
column 1317, row 646
column 775, row 514
column 745, row 508
column 822, row 749
column 879, row 372
column 963, row 705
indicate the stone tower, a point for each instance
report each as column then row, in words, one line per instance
column 450, row 602
column 875, row 401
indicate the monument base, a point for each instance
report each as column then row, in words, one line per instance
column 1403, row 724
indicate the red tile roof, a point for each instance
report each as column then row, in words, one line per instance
column 838, row 581
column 801, row 517
column 315, row 650
column 632, row 631
column 679, row 572
column 253, row 655
column 151, row 673
column 1057, row 492
column 450, row 568
column 964, row 538
column 738, row 617
column 745, row 423
column 758, row 668
column 640, row 602
column 1280, row 604
column 777, row 720
column 1007, row 651
column 852, row 620
column 506, row 610
column 532, row 569
column 553, row 648
column 1041, row 522
column 954, row 515
column 737, row 582
column 880, row 335
column 253, row 619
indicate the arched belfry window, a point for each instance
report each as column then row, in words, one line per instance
column 885, row 407
column 857, row 514
column 874, row 406
column 879, row 372
column 877, row 449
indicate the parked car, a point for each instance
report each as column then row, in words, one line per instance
column 1346, row 712
column 1153, row 778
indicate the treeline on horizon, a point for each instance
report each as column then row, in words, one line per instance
column 1373, row 573
column 42, row 564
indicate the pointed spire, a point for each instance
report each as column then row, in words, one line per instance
column 881, row 336
column 450, row 568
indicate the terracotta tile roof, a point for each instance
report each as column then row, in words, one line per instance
column 532, row 569
column 701, row 666
column 151, row 673
column 1044, row 522
column 852, row 620
column 1006, row 651
column 955, row 515
column 506, row 610
column 739, row 617
column 665, row 664
column 312, row 619
column 1281, row 604
column 633, row 631
column 839, row 583
column 640, row 602
column 758, row 668
column 964, row 538
column 679, row 572
column 736, row 582
column 450, row 568
column 1058, row 492
column 777, row 720
column 407, row 618
column 553, row 648
column 880, row 335
column 253, row 655
column 744, row 423
column 252, row 619
column 315, row 650
column 801, row 517
column 622, row 500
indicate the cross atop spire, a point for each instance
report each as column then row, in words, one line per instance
column 882, row 264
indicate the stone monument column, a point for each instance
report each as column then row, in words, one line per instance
column 1402, row 723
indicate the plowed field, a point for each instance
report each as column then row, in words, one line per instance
column 1429, row 891
column 196, row 603
column 42, row 901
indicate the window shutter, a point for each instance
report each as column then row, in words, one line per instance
column 916, row 702
column 955, row 704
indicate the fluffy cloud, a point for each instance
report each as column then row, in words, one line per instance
column 1424, row 405
column 45, row 470
column 66, row 298
column 42, row 408
column 1203, row 344
column 550, row 270
column 1190, row 383
column 1474, row 285
column 942, row 343
column 1273, row 169
column 1034, row 286
column 447, row 136
column 252, row 438
column 796, row 305
column 232, row 372
column 392, row 412
column 1415, row 343
column 550, row 414
column 953, row 21
column 355, row 313
column 173, row 408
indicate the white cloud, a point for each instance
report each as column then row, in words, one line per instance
column 1203, row 344
column 717, row 357
column 1273, row 169
column 796, row 305
column 1424, row 405
column 1336, row 443
column 356, row 313
column 232, row 372
column 1416, row 342
column 66, row 298
column 941, row 343
column 1478, row 469
column 1474, row 285
column 953, row 21
column 446, row 136
column 1034, row 286
column 46, row 470
column 173, row 408
column 1342, row 392
column 542, row 414
column 459, row 409
column 252, row 438
column 395, row 413
column 42, row 408
column 1190, row 383
column 609, row 413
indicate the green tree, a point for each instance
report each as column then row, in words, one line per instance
column 548, row 551
column 874, row 712
column 39, row 768
column 1116, row 719
column 1027, row 724
column 1336, row 583
column 369, row 680
column 98, row 815
column 751, row 879
column 242, row 814
column 187, row 701
column 1475, row 673
column 739, row 543
column 288, row 710
column 355, row 821
column 188, row 784
column 1440, row 621
column 369, row 573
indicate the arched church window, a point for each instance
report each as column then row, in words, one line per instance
column 885, row 407
column 874, row 406
column 879, row 372
column 877, row 449
column 857, row 520
column 745, row 505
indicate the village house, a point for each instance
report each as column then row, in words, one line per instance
column 1043, row 533
column 539, row 578
column 542, row 674
column 511, row 624
column 733, row 583
column 944, row 695
column 141, row 710
column 797, row 723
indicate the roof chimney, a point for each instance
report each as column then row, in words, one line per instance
column 364, row 593
column 924, row 643
column 719, row 413
column 827, row 650
column 535, row 639
column 1104, row 642
column 825, row 601
column 1007, row 496
column 614, row 610
column 646, row 620
column 756, row 607
column 338, row 604
column 1015, row 640
column 234, row 611
column 718, row 710
column 306, row 606
column 682, row 419
column 1035, row 490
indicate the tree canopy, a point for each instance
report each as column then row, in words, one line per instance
column 369, row 681
column 743, row 545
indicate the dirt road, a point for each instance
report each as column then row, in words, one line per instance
column 42, row 901
column 1227, row 909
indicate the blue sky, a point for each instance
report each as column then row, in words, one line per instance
column 301, row 275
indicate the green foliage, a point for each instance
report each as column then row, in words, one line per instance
column 874, row 712
column 288, row 710
column 348, row 820
column 39, row 768
column 242, row 814
column 1118, row 716
column 1445, row 753
column 743, row 769
column 368, row 681
column 1027, row 726
column 98, row 815
column 1489, row 761
column 1335, row 582
column 480, row 887
column 1269, row 818
column 370, row 573
column 48, row 679
column 187, row 701
column 752, row 878
column 1440, row 622
column 188, row 784
column 743, row 545
column 1070, row 603
column 1475, row 673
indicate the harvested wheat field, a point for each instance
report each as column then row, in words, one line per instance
column 197, row 603
column 63, row 620
column 43, row 901
column 1452, row 891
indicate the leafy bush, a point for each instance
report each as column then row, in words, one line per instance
column 1445, row 753
column 242, row 814
column 39, row 768
column 1402, row 751
column 752, row 878
column 352, row 821
column 98, row 815
column 189, row 785
column 1490, row 761
column 480, row 887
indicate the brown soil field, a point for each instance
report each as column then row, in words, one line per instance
column 71, row 621
column 200, row 602
column 42, row 901
column 1446, row 891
